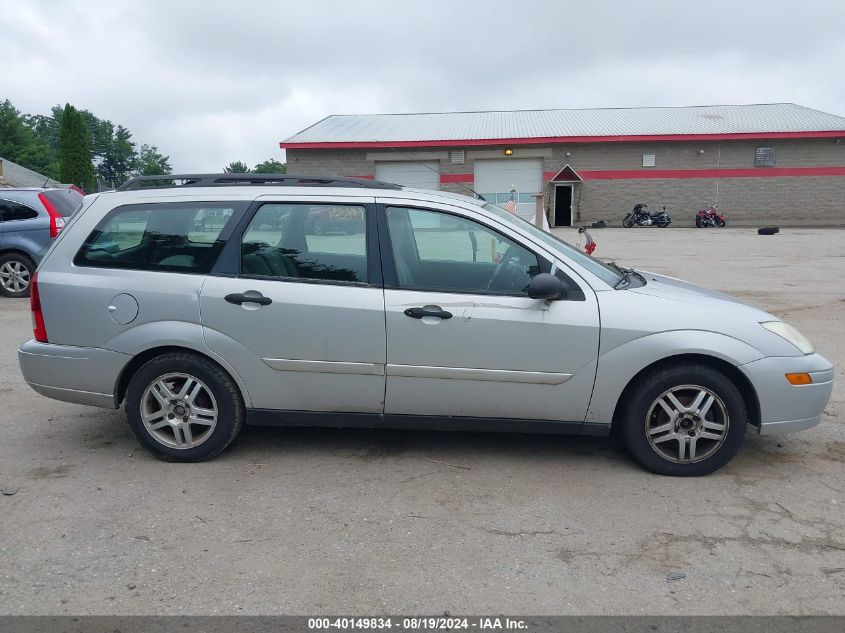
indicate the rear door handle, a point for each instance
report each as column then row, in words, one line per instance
column 428, row 311
column 239, row 298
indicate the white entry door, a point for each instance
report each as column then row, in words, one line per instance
column 419, row 175
column 494, row 180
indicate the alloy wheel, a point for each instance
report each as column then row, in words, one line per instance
column 178, row 410
column 14, row 276
column 687, row 424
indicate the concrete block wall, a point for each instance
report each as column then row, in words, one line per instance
column 809, row 200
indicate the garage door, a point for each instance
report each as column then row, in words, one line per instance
column 494, row 180
column 420, row 175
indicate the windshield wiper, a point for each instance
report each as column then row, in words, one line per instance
column 626, row 274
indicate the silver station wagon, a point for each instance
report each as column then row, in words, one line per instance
column 206, row 302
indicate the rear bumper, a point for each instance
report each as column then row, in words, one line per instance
column 82, row 375
column 787, row 408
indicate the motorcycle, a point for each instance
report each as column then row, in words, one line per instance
column 709, row 217
column 640, row 216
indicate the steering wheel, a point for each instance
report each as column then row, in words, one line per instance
column 508, row 277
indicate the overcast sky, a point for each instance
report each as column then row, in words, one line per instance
column 211, row 82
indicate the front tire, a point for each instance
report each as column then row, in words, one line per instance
column 184, row 408
column 684, row 420
column 16, row 270
column 628, row 222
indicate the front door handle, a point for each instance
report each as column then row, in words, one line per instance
column 428, row 311
column 239, row 298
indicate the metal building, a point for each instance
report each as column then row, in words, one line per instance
column 761, row 163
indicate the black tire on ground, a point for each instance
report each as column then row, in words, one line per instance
column 642, row 400
column 16, row 271
column 720, row 223
column 663, row 225
column 698, row 223
column 768, row 230
column 229, row 406
column 628, row 222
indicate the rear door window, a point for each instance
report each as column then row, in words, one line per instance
column 177, row 237
column 11, row 211
column 324, row 242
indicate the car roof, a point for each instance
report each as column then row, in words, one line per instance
column 39, row 189
column 255, row 191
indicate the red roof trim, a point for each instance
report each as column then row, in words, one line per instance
column 456, row 178
column 735, row 136
column 753, row 172
column 678, row 174
column 566, row 174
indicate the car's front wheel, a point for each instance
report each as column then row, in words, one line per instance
column 684, row 420
column 16, row 272
column 183, row 408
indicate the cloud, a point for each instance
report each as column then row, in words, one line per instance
column 211, row 82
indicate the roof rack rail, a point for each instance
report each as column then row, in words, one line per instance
column 170, row 181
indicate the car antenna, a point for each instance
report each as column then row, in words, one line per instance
column 419, row 162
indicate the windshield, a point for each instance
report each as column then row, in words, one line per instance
column 595, row 266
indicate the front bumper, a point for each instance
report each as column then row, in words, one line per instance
column 786, row 408
column 82, row 375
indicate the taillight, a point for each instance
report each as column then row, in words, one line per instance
column 57, row 220
column 38, row 327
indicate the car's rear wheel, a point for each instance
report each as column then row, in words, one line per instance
column 183, row 408
column 684, row 420
column 16, row 270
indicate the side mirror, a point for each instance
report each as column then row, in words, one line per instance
column 547, row 287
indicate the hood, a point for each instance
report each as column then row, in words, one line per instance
column 696, row 296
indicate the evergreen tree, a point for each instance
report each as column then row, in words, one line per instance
column 75, row 150
column 119, row 157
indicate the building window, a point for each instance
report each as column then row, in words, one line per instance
column 648, row 160
column 764, row 157
column 457, row 157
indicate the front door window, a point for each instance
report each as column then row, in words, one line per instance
column 439, row 251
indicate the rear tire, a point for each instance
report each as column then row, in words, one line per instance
column 184, row 408
column 16, row 271
column 695, row 439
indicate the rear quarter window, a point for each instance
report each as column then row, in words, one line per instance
column 66, row 201
column 178, row 237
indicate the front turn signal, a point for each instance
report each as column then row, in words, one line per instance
column 799, row 379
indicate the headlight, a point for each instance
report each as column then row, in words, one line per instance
column 786, row 331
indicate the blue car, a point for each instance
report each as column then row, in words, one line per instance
column 29, row 220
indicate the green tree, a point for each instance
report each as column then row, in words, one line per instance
column 151, row 163
column 75, row 150
column 119, row 156
column 101, row 132
column 19, row 144
column 271, row 166
column 236, row 167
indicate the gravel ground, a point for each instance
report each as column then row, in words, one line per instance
column 319, row 521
